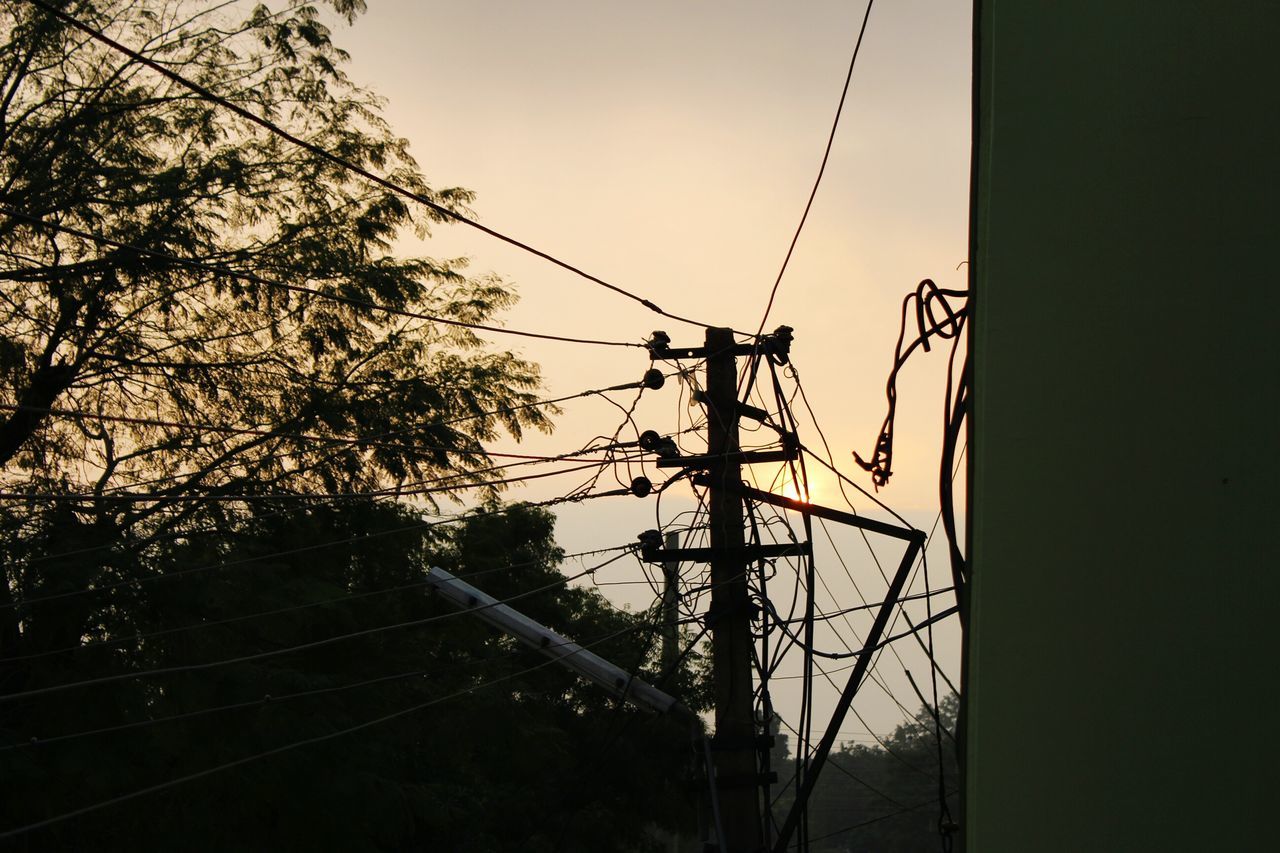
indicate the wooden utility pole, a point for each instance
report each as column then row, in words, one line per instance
column 735, row 771
column 730, row 615
column 735, row 774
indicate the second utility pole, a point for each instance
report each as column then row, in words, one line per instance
column 730, row 615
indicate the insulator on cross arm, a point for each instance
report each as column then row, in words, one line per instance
column 665, row 447
column 778, row 345
column 650, row 540
column 659, row 342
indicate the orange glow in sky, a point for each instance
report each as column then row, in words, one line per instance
column 669, row 147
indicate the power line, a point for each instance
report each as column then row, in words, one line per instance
column 652, row 379
column 873, row 789
column 342, row 162
column 133, row 497
column 135, row 724
column 149, row 635
column 234, row 706
column 220, row 269
column 362, row 441
column 826, row 617
column 937, row 617
column 187, row 532
column 873, row 820
column 327, row 641
column 826, row 154
column 810, row 619
column 209, row 771
column 907, row 715
column 923, row 564
column 397, row 491
column 871, row 673
column 786, row 409
column 303, row 549
column 834, row 470
column 795, row 376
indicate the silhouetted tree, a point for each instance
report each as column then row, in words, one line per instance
column 112, row 179
column 511, row 753
column 885, row 797
column 93, row 141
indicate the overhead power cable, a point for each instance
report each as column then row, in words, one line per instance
column 340, row 161
column 303, row 549
column 362, row 441
column 239, row 762
column 256, row 702
column 875, row 820
column 279, row 611
column 847, row 772
column 652, row 379
column 937, row 617
column 785, row 409
column 826, row 617
column 218, row 709
column 314, row 644
column 826, row 155
column 829, row 463
column 221, row 269
column 834, row 470
column 215, row 497
column 188, row 532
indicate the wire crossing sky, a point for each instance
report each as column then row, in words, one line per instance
column 441, row 210
column 670, row 146
column 675, row 144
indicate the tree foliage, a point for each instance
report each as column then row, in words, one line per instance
column 124, row 337
column 147, row 541
column 93, row 141
column 885, row 797
column 509, row 752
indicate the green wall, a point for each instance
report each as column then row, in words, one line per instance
column 1125, row 433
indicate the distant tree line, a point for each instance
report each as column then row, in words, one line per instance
column 884, row 797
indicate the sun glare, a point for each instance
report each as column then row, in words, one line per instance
column 792, row 489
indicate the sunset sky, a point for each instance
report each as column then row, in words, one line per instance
column 669, row 148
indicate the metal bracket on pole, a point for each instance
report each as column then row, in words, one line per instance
column 747, row 457
column 914, row 546
column 776, row 345
column 907, row 534
column 747, row 553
